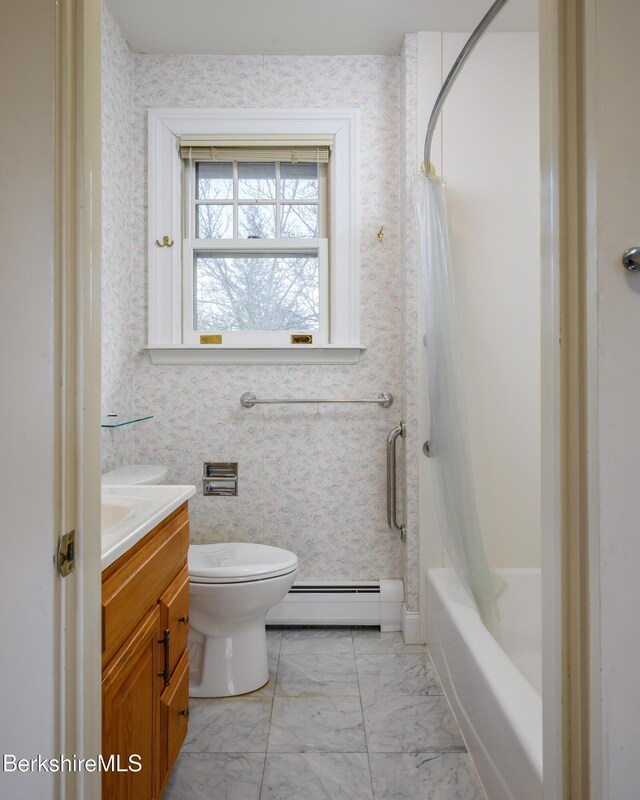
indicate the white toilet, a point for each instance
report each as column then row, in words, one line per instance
column 232, row 586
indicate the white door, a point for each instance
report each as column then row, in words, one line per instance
column 29, row 587
column 613, row 96
column 49, row 394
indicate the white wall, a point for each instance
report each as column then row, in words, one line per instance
column 489, row 154
column 28, row 394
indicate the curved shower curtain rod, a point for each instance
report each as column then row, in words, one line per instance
column 472, row 41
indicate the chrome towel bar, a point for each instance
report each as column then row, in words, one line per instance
column 392, row 509
column 249, row 400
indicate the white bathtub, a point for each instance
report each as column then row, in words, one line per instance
column 494, row 692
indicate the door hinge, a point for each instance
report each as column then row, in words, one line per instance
column 65, row 557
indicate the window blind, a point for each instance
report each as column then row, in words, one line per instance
column 298, row 150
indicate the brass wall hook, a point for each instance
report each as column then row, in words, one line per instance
column 165, row 242
column 381, row 232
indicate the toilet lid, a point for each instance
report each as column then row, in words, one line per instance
column 232, row 562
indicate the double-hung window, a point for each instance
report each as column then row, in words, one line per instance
column 253, row 239
column 255, row 248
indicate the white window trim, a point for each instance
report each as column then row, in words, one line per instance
column 165, row 263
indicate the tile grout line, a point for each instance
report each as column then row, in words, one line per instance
column 364, row 729
column 273, row 698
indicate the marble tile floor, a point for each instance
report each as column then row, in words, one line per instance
column 347, row 714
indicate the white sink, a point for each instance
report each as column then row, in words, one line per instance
column 130, row 512
column 114, row 512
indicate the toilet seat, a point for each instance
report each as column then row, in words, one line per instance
column 238, row 562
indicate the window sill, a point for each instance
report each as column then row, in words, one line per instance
column 319, row 355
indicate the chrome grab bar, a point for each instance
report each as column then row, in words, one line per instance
column 392, row 510
column 249, row 400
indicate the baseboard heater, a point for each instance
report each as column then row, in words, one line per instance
column 375, row 603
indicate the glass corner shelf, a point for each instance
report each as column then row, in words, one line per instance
column 119, row 420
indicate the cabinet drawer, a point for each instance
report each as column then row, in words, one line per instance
column 174, row 613
column 137, row 583
column 174, row 705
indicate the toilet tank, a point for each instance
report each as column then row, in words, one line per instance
column 135, row 475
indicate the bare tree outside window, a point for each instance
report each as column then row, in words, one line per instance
column 214, row 222
column 264, row 290
column 256, row 292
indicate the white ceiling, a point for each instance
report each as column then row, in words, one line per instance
column 313, row 27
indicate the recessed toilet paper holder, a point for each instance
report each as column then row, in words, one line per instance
column 220, row 478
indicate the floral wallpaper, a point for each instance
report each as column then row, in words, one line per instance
column 117, row 345
column 411, row 326
column 311, row 479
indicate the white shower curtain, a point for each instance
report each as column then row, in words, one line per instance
column 449, row 439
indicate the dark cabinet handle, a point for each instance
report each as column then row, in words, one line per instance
column 184, row 619
column 165, row 672
column 184, row 712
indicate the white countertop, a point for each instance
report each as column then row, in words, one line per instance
column 130, row 512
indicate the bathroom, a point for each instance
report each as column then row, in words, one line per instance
column 312, row 478
column 371, row 674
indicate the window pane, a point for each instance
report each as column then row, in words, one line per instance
column 299, row 221
column 256, row 291
column 214, row 221
column 256, row 221
column 214, row 181
column 257, row 181
column 299, row 181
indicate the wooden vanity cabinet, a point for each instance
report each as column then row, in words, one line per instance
column 145, row 678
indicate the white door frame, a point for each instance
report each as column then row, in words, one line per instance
column 571, row 668
column 551, row 401
column 89, row 617
column 78, row 229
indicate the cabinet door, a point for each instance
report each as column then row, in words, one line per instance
column 130, row 719
column 174, row 705
column 174, row 614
